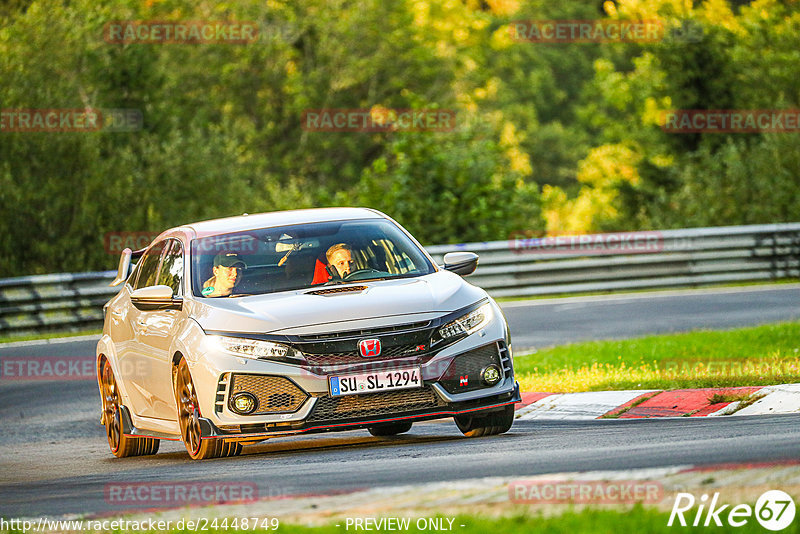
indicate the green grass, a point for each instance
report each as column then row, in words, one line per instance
column 49, row 335
column 759, row 355
column 636, row 519
column 716, row 398
column 591, row 521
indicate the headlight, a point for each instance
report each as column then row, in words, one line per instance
column 466, row 324
column 258, row 349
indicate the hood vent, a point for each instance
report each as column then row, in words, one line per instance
column 337, row 290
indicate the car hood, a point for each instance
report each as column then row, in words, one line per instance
column 298, row 312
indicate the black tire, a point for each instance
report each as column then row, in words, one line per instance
column 390, row 429
column 121, row 445
column 189, row 420
column 475, row 426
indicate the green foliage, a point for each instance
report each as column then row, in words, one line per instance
column 733, row 61
column 222, row 127
column 740, row 182
column 221, row 132
column 551, row 519
column 449, row 187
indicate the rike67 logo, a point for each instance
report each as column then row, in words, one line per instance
column 774, row 510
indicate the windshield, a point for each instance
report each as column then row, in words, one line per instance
column 269, row 260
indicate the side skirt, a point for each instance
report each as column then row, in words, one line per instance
column 129, row 430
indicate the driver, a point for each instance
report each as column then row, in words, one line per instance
column 227, row 271
column 340, row 256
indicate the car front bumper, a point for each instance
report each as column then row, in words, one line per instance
column 251, row 432
column 297, row 399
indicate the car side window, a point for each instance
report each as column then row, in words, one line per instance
column 396, row 261
column 171, row 272
column 134, row 273
column 148, row 271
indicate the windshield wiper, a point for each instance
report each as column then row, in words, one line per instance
column 339, row 281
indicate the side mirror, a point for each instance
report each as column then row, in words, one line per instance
column 123, row 268
column 155, row 298
column 462, row 263
column 152, row 293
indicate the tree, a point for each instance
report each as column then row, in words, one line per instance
column 450, row 188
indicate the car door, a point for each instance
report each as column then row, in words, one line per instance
column 155, row 328
column 132, row 356
column 161, row 326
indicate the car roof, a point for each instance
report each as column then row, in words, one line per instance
column 278, row 218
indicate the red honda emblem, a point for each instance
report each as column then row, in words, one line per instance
column 369, row 348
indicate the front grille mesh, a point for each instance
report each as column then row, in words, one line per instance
column 275, row 394
column 374, row 404
column 464, row 372
column 339, row 358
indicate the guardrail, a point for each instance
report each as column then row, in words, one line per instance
column 53, row 302
column 521, row 266
column 607, row 262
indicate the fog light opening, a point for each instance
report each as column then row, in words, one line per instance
column 490, row 375
column 244, row 403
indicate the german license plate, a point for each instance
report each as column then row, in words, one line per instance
column 374, row 382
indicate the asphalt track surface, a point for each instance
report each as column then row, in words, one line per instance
column 55, row 457
column 546, row 322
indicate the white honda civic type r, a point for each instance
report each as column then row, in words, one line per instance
column 231, row 331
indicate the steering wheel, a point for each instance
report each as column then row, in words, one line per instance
column 360, row 274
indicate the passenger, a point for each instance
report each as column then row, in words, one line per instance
column 340, row 257
column 227, row 271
